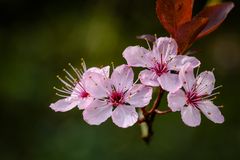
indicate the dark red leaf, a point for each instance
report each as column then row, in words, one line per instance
column 188, row 32
column 216, row 15
column 174, row 13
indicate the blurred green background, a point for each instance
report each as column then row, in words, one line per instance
column 38, row 38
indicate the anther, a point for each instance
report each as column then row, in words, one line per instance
column 83, row 65
column 155, row 35
column 218, row 87
column 112, row 63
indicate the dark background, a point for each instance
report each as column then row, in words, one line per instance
column 38, row 38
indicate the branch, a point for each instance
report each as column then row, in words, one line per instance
column 149, row 118
column 157, row 101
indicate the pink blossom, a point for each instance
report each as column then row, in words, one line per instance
column 74, row 91
column 115, row 97
column 162, row 63
column 195, row 96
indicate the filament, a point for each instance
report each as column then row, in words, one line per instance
column 149, row 47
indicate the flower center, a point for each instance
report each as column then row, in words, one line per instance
column 116, row 98
column 159, row 69
column 193, row 98
column 84, row 94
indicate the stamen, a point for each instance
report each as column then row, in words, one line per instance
column 80, row 73
column 132, row 94
column 217, row 87
column 80, row 84
column 155, row 35
column 75, row 70
column 191, row 52
column 62, row 91
column 221, row 106
column 133, row 84
column 77, row 91
column 161, row 59
column 83, row 65
column 149, row 47
column 70, row 87
column 69, row 74
column 171, row 58
column 212, row 98
column 70, row 82
column 136, row 81
column 64, row 82
column 197, row 71
column 192, row 95
column 73, row 83
column 112, row 63
column 67, row 90
column 60, row 95
column 209, row 96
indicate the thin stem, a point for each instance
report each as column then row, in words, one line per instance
column 157, row 111
column 157, row 101
column 162, row 112
column 141, row 120
column 149, row 117
column 144, row 111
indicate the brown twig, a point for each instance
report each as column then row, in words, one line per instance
column 157, row 101
column 149, row 117
column 157, row 111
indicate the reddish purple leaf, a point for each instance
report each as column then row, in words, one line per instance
column 174, row 13
column 216, row 15
column 188, row 32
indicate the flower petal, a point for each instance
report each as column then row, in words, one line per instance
column 148, row 78
column 179, row 61
column 165, row 48
column 84, row 102
column 104, row 71
column 191, row 116
column 205, row 83
column 63, row 105
column 97, row 112
column 97, row 84
column 170, row 82
column 187, row 77
column 122, row 78
column 137, row 56
column 139, row 95
column 124, row 116
column 176, row 100
column 211, row 111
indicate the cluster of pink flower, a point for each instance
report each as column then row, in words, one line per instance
column 101, row 96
